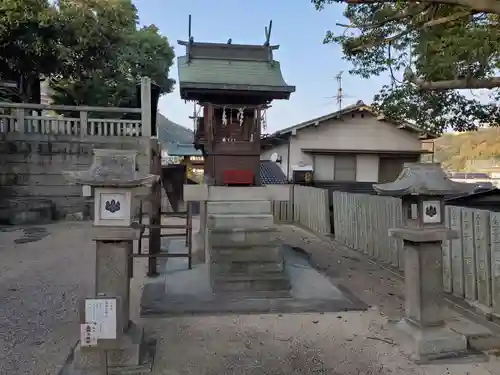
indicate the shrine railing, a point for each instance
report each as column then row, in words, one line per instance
column 83, row 121
column 79, row 121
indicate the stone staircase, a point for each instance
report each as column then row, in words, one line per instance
column 244, row 251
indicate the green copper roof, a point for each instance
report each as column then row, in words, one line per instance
column 179, row 149
column 243, row 75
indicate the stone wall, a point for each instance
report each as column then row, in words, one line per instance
column 31, row 167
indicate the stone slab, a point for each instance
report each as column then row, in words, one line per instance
column 242, row 221
column 203, row 192
column 232, row 238
column 433, row 343
column 188, row 292
column 246, row 254
column 246, row 268
column 238, row 207
column 145, row 365
column 136, row 355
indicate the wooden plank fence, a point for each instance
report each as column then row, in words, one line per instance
column 308, row 207
column 471, row 263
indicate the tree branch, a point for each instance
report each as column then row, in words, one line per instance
column 409, row 12
column 457, row 84
column 450, row 18
column 486, row 6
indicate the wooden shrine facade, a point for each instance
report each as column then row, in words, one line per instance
column 234, row 84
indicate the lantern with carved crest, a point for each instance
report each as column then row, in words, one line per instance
column 422, row 188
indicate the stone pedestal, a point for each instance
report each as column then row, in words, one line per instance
column 199, row 237
column 240, row 238
column 424, row 295
column 113, row 271
column 243, row 246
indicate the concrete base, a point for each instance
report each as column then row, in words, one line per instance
column 189, row 292
column 129, row 354
column 432, row 343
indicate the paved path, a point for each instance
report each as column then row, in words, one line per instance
column 41, row 282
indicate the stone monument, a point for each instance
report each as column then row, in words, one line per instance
column 422, row 188
column 113, row 179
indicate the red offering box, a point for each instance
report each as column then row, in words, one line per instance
column 238, row 177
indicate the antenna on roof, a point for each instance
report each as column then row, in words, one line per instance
column 268, row 33
column 340, row 93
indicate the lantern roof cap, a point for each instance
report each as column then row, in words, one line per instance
column 112, row 170
column 422, row 179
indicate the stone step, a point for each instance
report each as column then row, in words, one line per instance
column 245, row 268
column 239, row 207
column 246, row 254
column 239, row 238
column 240, row 221
column 258, row 294
column 234, row 283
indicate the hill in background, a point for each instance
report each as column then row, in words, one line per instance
column 169, row 131
column 454, row 149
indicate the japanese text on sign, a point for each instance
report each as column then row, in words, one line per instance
column 102, row 312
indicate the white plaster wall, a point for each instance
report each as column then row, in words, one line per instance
column 367, row 168
column 357, row 133
column 347, row 133
column 281, row 150
column 296, row 154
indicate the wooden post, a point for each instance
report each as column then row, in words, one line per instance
column 155, row 210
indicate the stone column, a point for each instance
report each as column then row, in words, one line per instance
column 114, row 247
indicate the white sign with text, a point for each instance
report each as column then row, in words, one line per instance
column 102, row 312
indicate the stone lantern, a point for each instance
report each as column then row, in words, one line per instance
column 113, row 179
column 422, row 188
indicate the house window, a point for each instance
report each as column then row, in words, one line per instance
column 345, row 168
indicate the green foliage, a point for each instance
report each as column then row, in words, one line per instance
column 29, row 37
column 91, row 50
column 454, row 150
column 450, row 46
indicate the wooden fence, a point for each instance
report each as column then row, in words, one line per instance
column 471, row 263
column 308, row 206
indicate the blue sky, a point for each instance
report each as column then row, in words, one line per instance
column 297, row 27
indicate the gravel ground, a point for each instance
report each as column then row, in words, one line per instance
column 350, row 343
column 40, row 285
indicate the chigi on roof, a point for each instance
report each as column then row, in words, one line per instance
column 209, row 68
